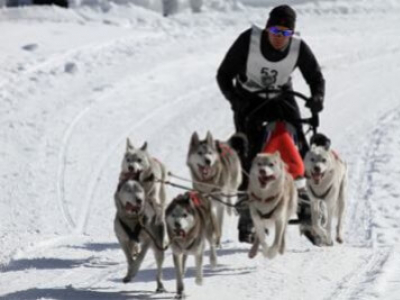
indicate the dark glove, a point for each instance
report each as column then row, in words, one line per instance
column 316, row 103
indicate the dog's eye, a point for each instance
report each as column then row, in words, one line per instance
column 184, row 216
column 324, row 160
column 271, row 165
column 312, row 159
column 139, row 160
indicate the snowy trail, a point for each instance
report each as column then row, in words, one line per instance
column 72, row 130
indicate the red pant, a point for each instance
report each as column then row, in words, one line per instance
column 282, row 141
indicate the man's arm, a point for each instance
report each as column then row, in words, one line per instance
column 233, row 64
column 311, row 70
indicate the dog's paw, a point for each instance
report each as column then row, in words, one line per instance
column 199, row 280
column 253, row 253
column 127, row 279
column 180, row 296
column 271, row 252
column 339, row 240
column 161, row 289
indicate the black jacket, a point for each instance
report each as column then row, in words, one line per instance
column 235, row 61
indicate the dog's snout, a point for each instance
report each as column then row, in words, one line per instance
column 317, row 169
column 262, row 172
column 177, row 225
column 207, row 161
column 130, row 168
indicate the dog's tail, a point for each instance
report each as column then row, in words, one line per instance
column 239, row 142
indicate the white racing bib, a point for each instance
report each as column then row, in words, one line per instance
column 262, row 73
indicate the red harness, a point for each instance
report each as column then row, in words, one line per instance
column 225, row 149
column 194, row 196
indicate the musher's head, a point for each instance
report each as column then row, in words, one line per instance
column 280, row 26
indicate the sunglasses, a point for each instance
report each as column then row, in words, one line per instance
column 276, row 31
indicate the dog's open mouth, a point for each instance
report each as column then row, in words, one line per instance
column 317, row 177
column 264, row 180
column 132, row 174
column 205, row 171
column 132, row 209
column 180, row 233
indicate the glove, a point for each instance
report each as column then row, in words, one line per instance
column 316, row 103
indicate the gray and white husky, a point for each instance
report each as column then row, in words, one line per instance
column 273, row 200
column 137, row 164
column 214, row 165
column 327, row 186
column 133, row 222
column 190, row 223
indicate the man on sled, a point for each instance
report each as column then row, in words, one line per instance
column 263, row 60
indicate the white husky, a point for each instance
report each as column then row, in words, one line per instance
column 327, row 186
column 273, row 197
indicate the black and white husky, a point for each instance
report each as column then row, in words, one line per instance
column 137, row 230
column 214, row 165
column 190, row 223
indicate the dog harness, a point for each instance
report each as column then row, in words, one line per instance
column 225, row 150
column 133, row 234
column 194, row 196
column 267, row 215
column 262, row 73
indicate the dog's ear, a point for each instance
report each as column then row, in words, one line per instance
column 209, row 139
column 277, row 154
column 129, row 145
column 194, row 141
column 144, row 147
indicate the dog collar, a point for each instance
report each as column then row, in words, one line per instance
column 323, row 196
column 269, row 199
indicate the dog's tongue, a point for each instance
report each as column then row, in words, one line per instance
column 129, row 207
column 316, row 177
column 264, row 179
column 205, row 171
column 181, row 233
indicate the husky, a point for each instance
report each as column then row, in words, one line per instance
column 326, row 177
column 273, row 199
column 138, row 165
column 137, row 230
column 214, row 165
column 190, row 222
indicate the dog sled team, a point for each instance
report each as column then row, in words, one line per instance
column 267, row 172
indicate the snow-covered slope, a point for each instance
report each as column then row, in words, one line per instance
column 75, row 83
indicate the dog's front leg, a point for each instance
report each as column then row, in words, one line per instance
column 341, row 211
column 220, row 217
column 317, row 229
column 199, row 267
column 259, row 226
column 159, row 255
column 254, row 248
column 329, row 241
column 138, row 261
column 127, row 249
column 178, row 262
column 279, row 232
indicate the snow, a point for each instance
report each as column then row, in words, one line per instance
column 75, row 83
